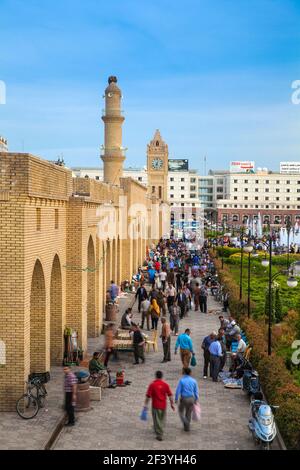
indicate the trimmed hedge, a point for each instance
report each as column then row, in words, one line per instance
column 277, row 382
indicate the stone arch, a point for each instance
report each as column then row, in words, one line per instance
column 56, row 314
column 38, row 343
column 91, row 290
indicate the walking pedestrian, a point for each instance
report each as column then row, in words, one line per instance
column 109, row 337
column 205, row 346
column 70, row 386
column 170, row 294
column 145, row 309
column 155, row 313
column 181, row 301
column 185, row 344
column 166, row 339
column 203, row 298
column 158, row 391
column 174, row 319
column 188, row 394
column 196, row 291
column 138, row 344
column 141, row 294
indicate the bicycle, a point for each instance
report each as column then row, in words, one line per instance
column 28, row 405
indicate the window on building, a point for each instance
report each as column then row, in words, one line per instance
column 246, row 190
column 256, row 190
column 140, row 178
column 193, row 180
column 277, row 190
column 235, row 218
column 220, row 196
column 172, row 196
column 219, row 181
column 246, row 181
column 256, row 181
column 38, row 218
column 256, row 198
column 97, row 178
column 245, row 198
column 182, row 196
column 182, row 188
column 256, row 207
column 220, row 189
column 267, row 181
column 288, row 190
column 277, row 181
column 235, row 181
column 267, row 207
column 235, row 198
column 267, row 190
column 56, row 218
column 246, row 206
column 193, row 188
column 278, row 199
column 193, row 196
column 160, row 192
column 153, row 189
column 288, row 182
column 288, row 198
column 171, row 187
column 235, row 206
column 182, row 179
column 266, row 198
column 235, row 190
column 182, row 204
column 171, row 179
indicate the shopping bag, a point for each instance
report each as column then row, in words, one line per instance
column 196, row 413
column 193, row 361
column 144, row 414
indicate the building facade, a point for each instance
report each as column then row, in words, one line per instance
column 275, row 196
column 63, row 240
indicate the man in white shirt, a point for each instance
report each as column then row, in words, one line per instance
column 170, row 294
column 163, row 278
column 241, row 345
column 145, row 306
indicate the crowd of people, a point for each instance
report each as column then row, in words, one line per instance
column 173, row 282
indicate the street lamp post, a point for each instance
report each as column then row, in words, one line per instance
column 288, row 228
column 248, row 249
column 241, row 264
column 291, row 282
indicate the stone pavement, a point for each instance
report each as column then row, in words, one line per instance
column 17, row 433
column 114, row 422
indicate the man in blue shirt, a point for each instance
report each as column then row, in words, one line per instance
column 205, row 346
column 187, row 390
column 186, row 348
column 215, row 350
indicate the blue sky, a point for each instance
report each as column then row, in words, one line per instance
column 213, row 75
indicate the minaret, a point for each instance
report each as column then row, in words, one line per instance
column 113, row 154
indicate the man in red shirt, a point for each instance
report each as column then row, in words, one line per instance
column 158, row 391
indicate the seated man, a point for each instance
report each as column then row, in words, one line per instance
column 232, row 330
column 100, row 375
column 126, row 320
column 237, row 356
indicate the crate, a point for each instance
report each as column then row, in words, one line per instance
column 95, row 393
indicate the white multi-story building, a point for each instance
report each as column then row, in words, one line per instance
column 275, row 196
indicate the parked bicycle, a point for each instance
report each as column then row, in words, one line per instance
column 28, row 405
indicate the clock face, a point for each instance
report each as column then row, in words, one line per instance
column 157, row 163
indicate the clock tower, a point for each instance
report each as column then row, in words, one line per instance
column 157, row 167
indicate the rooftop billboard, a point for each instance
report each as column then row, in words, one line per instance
column 242, row 167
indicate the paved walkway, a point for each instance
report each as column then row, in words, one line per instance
column 114, row 422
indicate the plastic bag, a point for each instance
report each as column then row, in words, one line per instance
column 196, row 413
column 144, row 414
column 193, row 361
